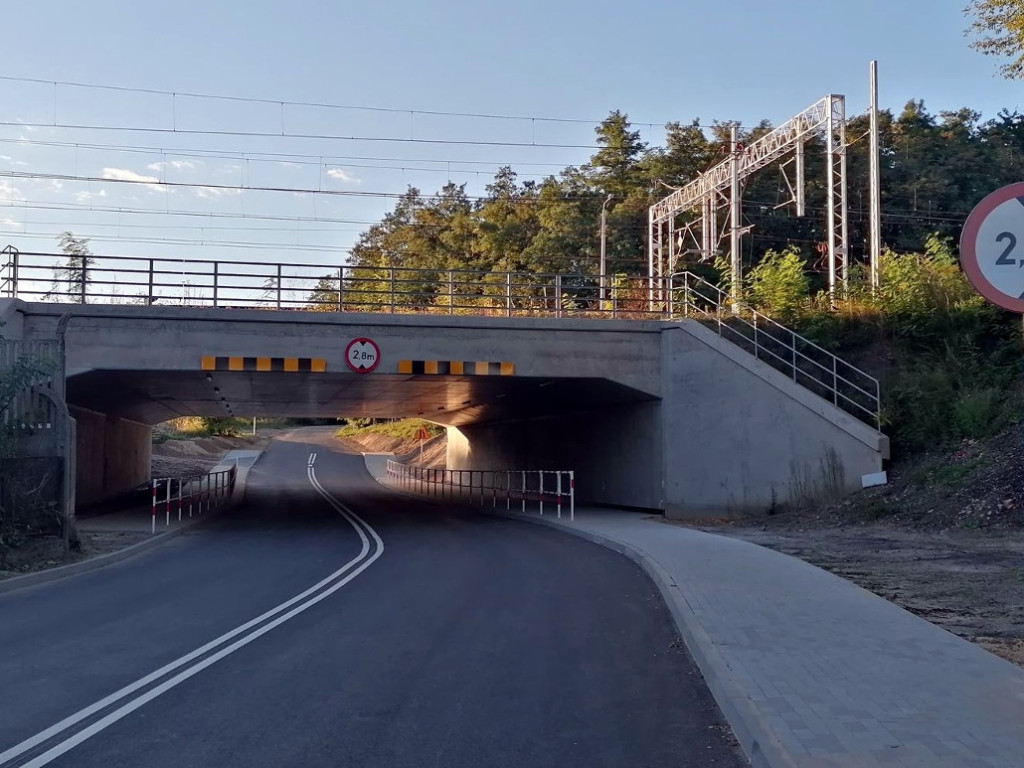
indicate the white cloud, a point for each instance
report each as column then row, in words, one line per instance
column 7, row 222
column 88, row 197
column 177, row 165
column 10, row 193
column 124, row 174
column 342, row 175
column 216, row 192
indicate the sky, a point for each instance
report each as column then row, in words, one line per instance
column 63, row 147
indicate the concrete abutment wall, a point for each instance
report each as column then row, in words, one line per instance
column 615, row 452
column 113, row 455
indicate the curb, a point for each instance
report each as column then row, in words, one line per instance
column 755, row 735
column 102, row 561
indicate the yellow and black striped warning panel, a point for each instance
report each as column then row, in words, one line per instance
column 288, row 364
column 456, row 368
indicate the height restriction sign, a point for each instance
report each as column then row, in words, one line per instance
column 992, row 247
column 362, row 355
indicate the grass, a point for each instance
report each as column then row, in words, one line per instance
column 401, row 429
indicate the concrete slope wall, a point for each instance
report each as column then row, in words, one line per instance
column 739, row 436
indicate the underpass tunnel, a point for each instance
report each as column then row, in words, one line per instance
column 601, row 429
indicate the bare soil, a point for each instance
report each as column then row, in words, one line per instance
column 944, row 540
column 198, row 455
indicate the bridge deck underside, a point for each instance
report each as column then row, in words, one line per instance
column 150, row 397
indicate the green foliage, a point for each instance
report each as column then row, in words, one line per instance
column 71, row 279
column 221, row 427
column 402, row 429
column 999, row 28
column 778, row 285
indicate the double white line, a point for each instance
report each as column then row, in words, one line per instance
column 372, row 549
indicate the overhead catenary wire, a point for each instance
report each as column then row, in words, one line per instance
column 174, row 94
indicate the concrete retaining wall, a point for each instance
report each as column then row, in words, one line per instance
column 112, row 455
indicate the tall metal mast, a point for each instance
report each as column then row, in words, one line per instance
column 876, row 181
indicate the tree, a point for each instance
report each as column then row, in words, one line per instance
column 71, row 278
column 999, row 28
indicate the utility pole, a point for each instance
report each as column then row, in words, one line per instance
column 737, row 212
column 604, row 244
column 876, row 181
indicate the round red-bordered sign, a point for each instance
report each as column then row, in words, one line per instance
column 362, row 355
column 992, row 247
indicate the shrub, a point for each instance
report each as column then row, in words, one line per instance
column 778, row 285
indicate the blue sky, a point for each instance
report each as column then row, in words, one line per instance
column 747, row 60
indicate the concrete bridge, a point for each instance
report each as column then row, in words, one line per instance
column 656, row 414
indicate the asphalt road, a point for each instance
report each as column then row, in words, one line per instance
column 422, row 636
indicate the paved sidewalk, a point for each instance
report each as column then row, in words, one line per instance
column 812, row 670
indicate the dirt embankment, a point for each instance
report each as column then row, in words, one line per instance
column 198, row 455
column 944, row 540
column 422, row 453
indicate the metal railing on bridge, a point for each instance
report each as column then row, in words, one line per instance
column 400, row 290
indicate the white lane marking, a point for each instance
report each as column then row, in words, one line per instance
column 312, row 459
column 353, row 519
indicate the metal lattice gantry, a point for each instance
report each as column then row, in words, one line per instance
column 721, row 187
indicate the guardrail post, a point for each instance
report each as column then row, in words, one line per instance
column 179, row 500
column 341, row 289
column 835, row 382
column 523, row 496
column 792, row 341
column 451, row 292
column 216, row 280
column 392, row 284
column 540, row 489
column 167, row 504
column 149, row 295
column 154, row 505
column 278, row 286
column 558, row 295
column 757, row 355
column 572, row 495
column 558, row 491
column 508, row 294
column 508, row 489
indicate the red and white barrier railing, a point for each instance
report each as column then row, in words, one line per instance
column 197, row 492
column 557, row 488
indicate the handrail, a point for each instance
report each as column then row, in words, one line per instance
column 808, row 364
